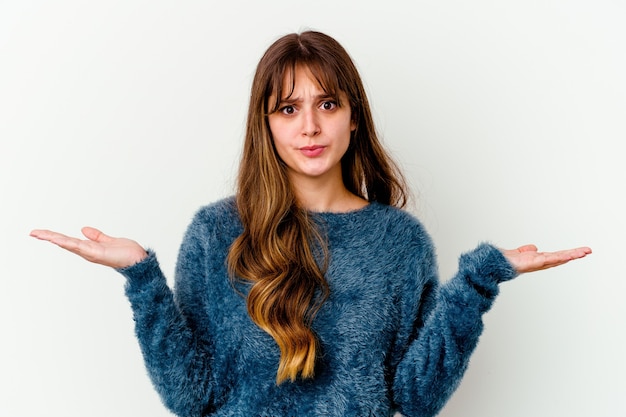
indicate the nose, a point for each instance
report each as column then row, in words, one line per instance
column 310, row 123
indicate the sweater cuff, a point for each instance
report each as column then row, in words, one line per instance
column 142, row 271
column 485, row 267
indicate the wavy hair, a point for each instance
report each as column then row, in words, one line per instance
column 282, row 251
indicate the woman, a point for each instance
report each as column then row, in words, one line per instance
column 310, row 292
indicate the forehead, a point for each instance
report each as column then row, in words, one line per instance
column 295, row 78
column 321, row 76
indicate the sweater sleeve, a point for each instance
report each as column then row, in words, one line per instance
column 177, row 361
column 448, row 325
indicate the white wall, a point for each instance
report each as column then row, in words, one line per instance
column 128, row 115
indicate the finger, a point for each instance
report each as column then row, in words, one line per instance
column 527, row 248
column 96, row 235
column 66, row 242
column 553, row 259
column 37, row 234
column 585, row 250
column 564, row 255
column 48, row 235
column 576, row 253
column 69, row 243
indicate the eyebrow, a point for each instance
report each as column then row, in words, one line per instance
column 288, row 100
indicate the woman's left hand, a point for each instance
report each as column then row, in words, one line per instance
column 527, row 259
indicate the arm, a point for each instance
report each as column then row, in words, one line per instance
column 438, row 356
column 178, row 364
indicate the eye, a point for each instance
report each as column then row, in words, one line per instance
column 287, row 110
column 329, row 105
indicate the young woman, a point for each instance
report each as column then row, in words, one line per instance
column 309, row 293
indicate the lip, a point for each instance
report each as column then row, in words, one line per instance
column 312, row 151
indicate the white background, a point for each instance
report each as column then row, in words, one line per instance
column 508, row 117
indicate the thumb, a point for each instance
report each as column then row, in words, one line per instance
column 527, row 248
column 96, row 235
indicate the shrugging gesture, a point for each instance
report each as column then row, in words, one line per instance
column 382, row 336
column 119, row 253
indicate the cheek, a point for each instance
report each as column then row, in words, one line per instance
column 280, row 149
column 272, row 126
column 280, row 131
column 279, row 142
column 280, row 145
column 347, row 133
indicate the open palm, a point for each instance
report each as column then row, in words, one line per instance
column 97, row 248
column 527, row 259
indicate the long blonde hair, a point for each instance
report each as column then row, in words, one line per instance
column 281, row 251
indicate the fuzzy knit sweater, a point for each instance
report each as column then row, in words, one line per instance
column 392, row 337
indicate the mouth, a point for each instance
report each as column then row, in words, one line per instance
column 312, row 151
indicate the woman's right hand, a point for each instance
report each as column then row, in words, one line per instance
column 98, row 247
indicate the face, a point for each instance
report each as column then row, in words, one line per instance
column 311, row 131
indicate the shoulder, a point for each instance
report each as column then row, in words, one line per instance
column 399, row 224
column 406, row 242
column 224, row 210
column 218, row 219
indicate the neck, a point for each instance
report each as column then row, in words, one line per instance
column 325, row 194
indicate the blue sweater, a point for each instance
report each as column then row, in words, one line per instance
column 392, row 337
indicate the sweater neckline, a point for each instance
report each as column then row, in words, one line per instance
column 345, row 214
